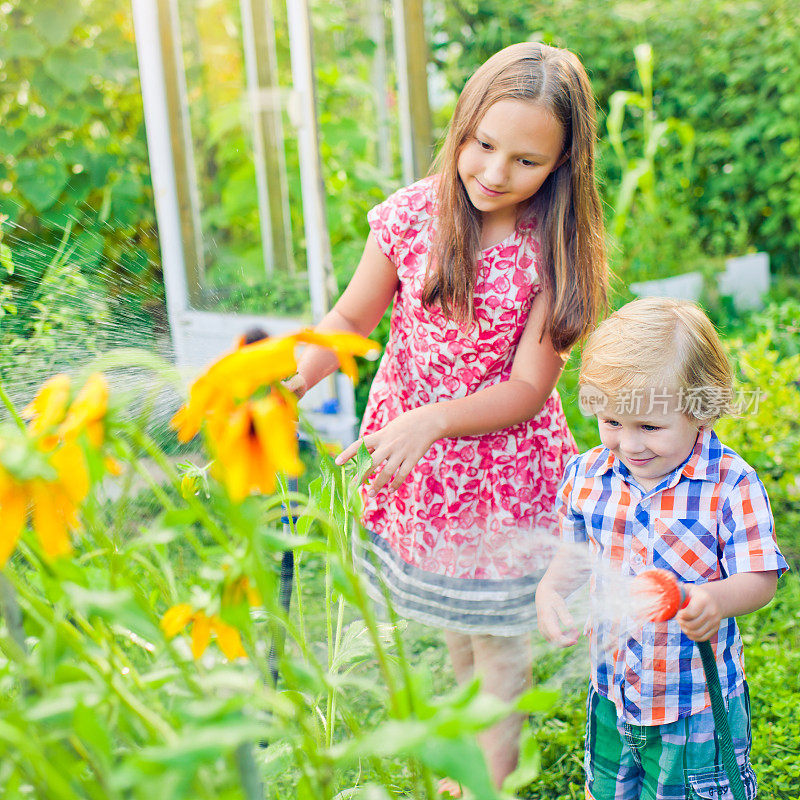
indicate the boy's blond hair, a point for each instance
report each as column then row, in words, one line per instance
column 658, row 344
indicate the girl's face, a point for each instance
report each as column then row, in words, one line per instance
column 516, row 145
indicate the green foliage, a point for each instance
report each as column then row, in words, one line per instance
column 72, row 147
column 98, row 700
column 767, row 433
column 728, row 70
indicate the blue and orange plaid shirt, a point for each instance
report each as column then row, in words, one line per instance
column 710, row 518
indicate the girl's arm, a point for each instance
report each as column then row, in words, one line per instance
column 358, row 310
column 399, row 445
column 710, row 603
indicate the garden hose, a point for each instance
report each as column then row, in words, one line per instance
column 286, row 581
column 663, row 596
column 721, row 721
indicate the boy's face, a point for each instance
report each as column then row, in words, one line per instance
column 650, row 445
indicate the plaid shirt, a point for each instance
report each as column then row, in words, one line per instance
column 708, row 519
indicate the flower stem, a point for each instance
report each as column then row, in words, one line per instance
column 6, row 400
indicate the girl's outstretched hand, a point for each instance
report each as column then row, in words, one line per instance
column 397, row 447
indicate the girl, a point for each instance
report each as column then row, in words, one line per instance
column 496, row 267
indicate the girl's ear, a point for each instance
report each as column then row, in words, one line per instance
column 563, row 160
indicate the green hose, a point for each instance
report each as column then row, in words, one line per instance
column 721, row 721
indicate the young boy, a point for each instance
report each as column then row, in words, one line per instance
column 662, row 491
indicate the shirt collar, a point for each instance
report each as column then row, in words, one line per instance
column 702, row 464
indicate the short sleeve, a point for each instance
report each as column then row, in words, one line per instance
column 399, row 221
column 572, row 526
column 747, row 530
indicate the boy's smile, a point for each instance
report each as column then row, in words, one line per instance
column 650, row 445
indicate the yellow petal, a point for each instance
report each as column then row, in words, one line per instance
column 13, row 511
column 88, row 407
column 253, row 595
column 240, row 373
column 275, row 425
column 201, row 634
column 50, row 404
column 113, row 467
column 176, row 619
column 228, row 639
column 340, row 341
column 344, row 344
column 70, row 465
column 232, row 462
column 51, row 513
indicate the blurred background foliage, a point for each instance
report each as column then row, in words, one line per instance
column 698, row 152
column 72, row 144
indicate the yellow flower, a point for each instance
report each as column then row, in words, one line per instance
column 48, row 408
column 238, row 375
column 252, row 439
column 53, row 484
column 237, row 591
column 258, row 441
column 13, row 511
column 53, row 505
column 88, row 411
column 203, row 625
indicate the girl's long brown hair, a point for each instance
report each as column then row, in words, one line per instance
column 567, row 206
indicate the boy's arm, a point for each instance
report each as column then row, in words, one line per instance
column 555, row 621
column 710, row 603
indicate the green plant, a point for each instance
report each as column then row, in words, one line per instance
column 102, row 696
column 72, row 147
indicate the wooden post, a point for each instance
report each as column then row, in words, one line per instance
column 321, row 280
column 411, row 54
column 266, row 108
column 182, row 152
column 377, row 27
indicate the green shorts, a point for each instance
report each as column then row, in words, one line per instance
column 677, row 761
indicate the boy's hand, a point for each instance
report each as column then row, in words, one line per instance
column 555, row 621
column 701, row 618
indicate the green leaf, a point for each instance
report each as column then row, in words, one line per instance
column 55, row 20
column 200, row 745
column 460, row 759
column 6, row 260
column 117, row 607
column 12, row 140
column 92, row 729
column 538, row 700
column 72, row 67
column 41, row 182
column 529, row 765
column 22, row 43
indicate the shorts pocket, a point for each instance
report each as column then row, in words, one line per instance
column 715, row 785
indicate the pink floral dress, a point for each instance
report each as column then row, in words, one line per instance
column 459, row 544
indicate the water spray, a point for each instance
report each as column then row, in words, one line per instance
column 662, row 596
